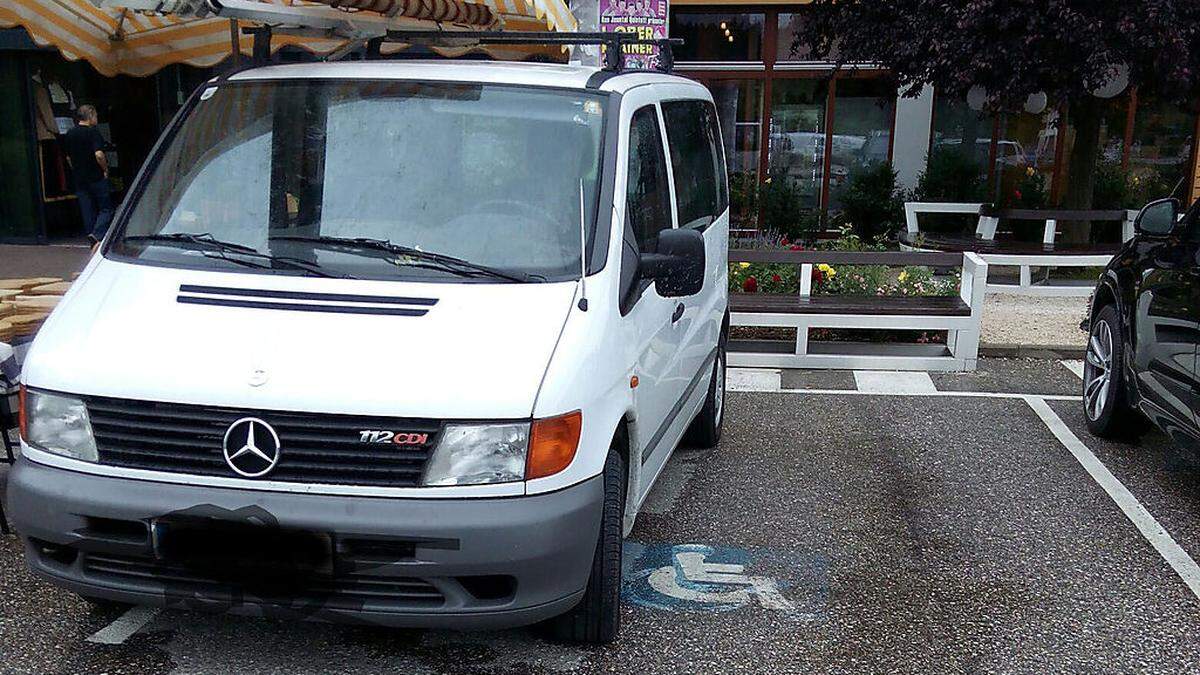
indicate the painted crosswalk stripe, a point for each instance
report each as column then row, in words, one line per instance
column 1151, row 529
column 893, row 382
column 126, row 625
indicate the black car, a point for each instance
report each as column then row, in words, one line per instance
column 1144, row 331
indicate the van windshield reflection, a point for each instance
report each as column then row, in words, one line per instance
column 459, row 182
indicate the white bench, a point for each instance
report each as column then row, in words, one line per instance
column 959, row 315
column 1024, row 256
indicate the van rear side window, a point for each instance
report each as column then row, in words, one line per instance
column 697, row 163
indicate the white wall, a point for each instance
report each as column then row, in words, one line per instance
column 911, row 144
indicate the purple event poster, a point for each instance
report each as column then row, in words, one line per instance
column 647, row 18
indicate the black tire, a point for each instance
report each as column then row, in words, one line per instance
column 1105, row 391
column 597, row 617
column 705, row 430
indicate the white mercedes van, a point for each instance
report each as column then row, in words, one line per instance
column 398, row 342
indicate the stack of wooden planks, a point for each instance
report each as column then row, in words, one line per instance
column 25, row 304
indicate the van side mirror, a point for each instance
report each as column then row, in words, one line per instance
column 1157, row 218
column 677, row 267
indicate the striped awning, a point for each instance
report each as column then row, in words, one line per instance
column 124, row 42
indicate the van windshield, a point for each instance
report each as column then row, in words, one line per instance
column 292, row 177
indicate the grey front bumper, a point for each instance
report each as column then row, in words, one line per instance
column 461, row 563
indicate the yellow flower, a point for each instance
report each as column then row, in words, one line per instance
column 903, row 275
column 1029, row 171
column 824, row 267
column 831, row 272
column 743, row 265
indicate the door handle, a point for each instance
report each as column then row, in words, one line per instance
column 678, row 313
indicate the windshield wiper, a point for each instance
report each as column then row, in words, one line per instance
column 218, row 249
column 274, row 262
column 447, row 262
column 203, row 238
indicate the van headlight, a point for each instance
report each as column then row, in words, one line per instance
column 59, row 424
column 476, row 454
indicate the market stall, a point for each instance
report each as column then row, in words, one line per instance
column 132, row 40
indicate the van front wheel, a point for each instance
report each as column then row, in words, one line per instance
column 705, row 431
column 597, row 617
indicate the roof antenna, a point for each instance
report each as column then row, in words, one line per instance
column 583, row 303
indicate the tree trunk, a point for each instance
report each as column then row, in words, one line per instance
column 1085, row 116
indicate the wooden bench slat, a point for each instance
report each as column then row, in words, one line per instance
column 890, row 305
column 970, row 242
column 896, row 258
column 1056, row 214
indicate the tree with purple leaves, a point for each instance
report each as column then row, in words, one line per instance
column 1008, row 50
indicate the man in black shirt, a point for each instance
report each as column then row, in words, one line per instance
column 85, row 154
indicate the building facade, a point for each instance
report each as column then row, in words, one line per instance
column 788, row 118
column 39, row 91
column 788, row 121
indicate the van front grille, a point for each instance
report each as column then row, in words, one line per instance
column 313, row 448
column 348, row 591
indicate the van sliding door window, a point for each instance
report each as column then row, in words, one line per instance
column 696, row 162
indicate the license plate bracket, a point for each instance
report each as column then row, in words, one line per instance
column 241, row 551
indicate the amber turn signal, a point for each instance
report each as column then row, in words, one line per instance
column 552, row 444
column 22, row 414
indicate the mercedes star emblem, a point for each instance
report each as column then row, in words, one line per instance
column 251, row 447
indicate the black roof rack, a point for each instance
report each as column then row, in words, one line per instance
column 614, row 57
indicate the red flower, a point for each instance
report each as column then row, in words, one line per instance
column 750, row 285
column 776, row 278
column 1017, row 194
column 784, row 242
column 818, row 276
column 797, row 247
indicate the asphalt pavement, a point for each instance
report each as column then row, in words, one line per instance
column 833, row 530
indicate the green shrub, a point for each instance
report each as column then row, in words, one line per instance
column 1113, row 187
column 1029, row 191
column 784, row 210
column 949, row 176
column 848, row 241
column 743, row 199
column 1146, row 185
column 871, row 203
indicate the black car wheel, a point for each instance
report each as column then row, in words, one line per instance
column 597, row 617
column 1105, row 401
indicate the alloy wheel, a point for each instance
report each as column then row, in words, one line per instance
column 1098, row 370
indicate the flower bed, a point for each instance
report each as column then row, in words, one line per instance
column 853, row 280
column 784, row 278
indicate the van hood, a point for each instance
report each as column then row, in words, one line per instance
column 476, row 350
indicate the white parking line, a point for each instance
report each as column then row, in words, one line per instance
column 893, row 382
column 1075, row 366
column 127, row 624
column 933, row 394
column 1159, row 538
column 752, row 379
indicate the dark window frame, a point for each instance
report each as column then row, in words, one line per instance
column 713, row 155
column 768, row 71
column 632, row 288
